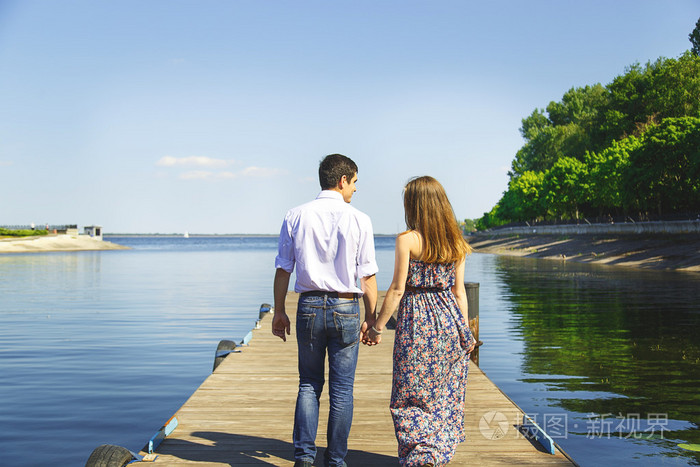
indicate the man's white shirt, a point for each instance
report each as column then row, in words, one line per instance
column 330, row 242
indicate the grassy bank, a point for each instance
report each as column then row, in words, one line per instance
column 22, row 233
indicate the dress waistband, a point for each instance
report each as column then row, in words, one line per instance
column 411, row 289
column 324, row 293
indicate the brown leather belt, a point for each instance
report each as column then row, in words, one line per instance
column 323, row 293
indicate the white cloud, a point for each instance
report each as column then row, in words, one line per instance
column 6, row 163
column 197, row 175
column 262, row 172
column 192, row 161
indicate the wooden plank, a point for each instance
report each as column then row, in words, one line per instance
column 244, row 412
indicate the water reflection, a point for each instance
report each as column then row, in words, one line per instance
column 614, row 349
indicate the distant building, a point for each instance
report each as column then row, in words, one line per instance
column 95, row 231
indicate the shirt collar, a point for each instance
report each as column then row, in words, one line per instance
column 330, row 194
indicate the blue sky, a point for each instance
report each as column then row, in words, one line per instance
column 211, row 116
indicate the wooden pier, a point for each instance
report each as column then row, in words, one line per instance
column 243, row 413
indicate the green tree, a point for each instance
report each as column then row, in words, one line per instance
column 664, row 171
column 532, row 155
column 578, row 105
column 694, row 38
column 605, row 171
column 626, row 102
column 609, row 149
column 646, row 95
column 546, row 147
column 581, row 107
column 490, row 219
column 570, row 128
column 565, row 188
column 468, row 225
column 522, row 200
column 675, row 88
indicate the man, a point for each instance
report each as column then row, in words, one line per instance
column 332, row 245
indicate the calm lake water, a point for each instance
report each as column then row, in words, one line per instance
column 104, row 347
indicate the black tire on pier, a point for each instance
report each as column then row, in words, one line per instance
column 265, row 309
column 221, row 348
column 109, row 455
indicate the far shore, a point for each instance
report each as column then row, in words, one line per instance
column 49, row 243
column 661, row 252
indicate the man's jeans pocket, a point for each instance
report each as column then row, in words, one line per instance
column 305, row 327
column 348, row 326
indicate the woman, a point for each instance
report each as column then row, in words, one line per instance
column 433, row 340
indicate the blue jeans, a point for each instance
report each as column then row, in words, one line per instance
column 326, row 324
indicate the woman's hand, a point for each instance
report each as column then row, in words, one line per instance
column 372, row 336
column 363, row 332
column 472, row 340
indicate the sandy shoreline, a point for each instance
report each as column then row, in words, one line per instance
column 47, row 243
column 668, row 252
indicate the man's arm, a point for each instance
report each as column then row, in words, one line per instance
column 369, row 289
column 280, row 322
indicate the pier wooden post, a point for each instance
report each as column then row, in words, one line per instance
column 472, row 289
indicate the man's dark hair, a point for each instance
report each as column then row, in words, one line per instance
column 332, row 169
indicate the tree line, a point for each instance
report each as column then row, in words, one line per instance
column 631, row 147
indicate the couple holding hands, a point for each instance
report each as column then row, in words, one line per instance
column 332, row 245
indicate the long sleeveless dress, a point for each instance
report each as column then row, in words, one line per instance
column 430, row 367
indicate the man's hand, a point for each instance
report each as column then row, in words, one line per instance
column 363, row 333
column 280, row 323
column 369, row 337
column 280, row 326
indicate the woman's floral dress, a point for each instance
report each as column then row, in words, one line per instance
column 430, row 367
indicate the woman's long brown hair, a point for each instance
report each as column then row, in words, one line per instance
column 429, row 212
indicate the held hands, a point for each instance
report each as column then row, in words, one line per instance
column 369, row 334
column 280, row 326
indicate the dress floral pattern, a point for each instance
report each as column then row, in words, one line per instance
column 430, row 367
